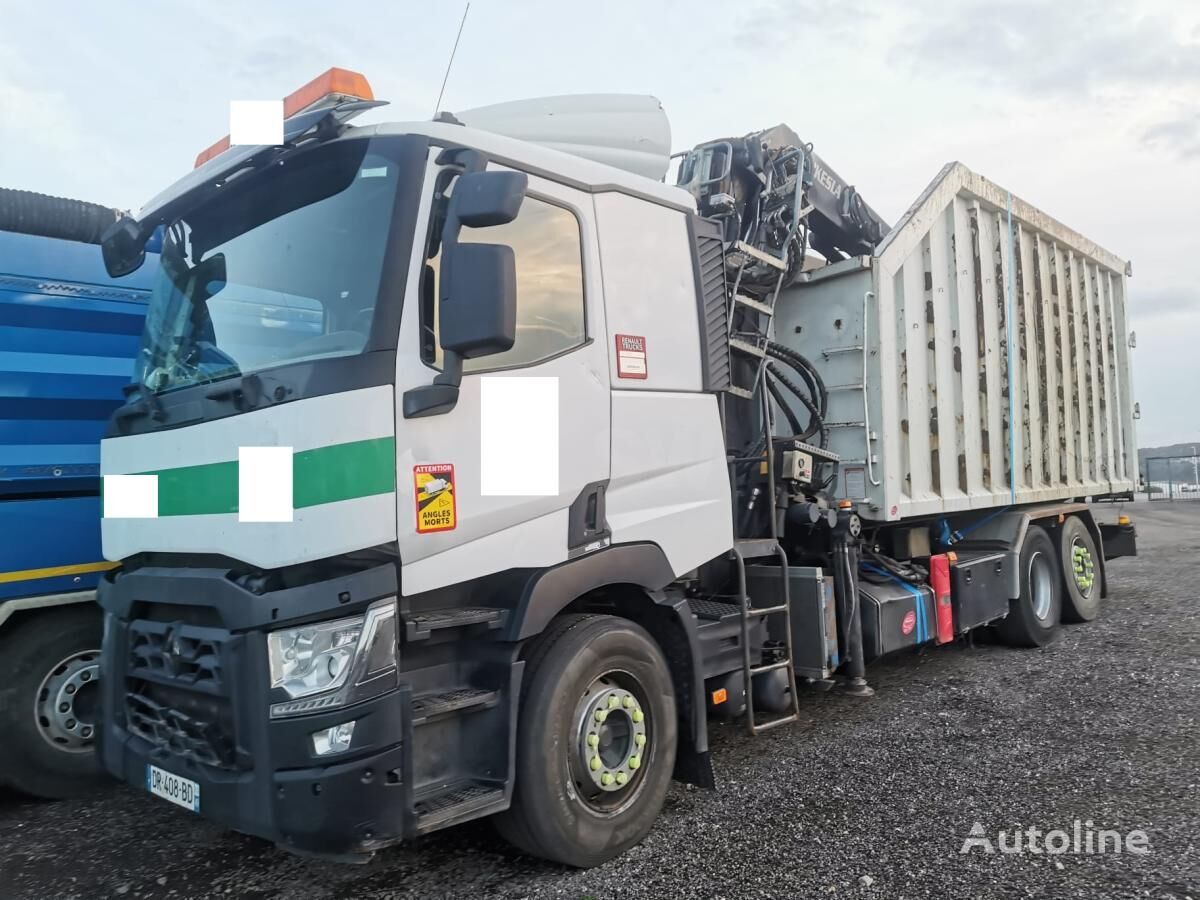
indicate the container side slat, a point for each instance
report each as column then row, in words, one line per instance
column 952, row 474
column 967, row 357
column 989, row 298
column 1047, row 325
column 1107, row 406
column 1066, row 370
column 1088, row 292
column 1031, row 405
column 916, row 424
column 1079, row 401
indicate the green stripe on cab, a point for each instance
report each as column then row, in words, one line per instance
column 321, row 475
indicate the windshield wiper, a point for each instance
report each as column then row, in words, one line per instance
column 148, row 403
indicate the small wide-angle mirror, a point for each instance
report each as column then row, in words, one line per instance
column 483, row 199
column 123, row 246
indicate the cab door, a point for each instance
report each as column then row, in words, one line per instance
column 541, row 500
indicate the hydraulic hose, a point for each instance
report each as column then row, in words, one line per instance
column 816, row 422
column 793, row 420
column 807, row 370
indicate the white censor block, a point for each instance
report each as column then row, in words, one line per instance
column 265, row 484
column 518, row 436
column 131, row 496
column 256, row 122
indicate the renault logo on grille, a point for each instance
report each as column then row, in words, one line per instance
column 173, row 650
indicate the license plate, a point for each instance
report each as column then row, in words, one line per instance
column 180, row 791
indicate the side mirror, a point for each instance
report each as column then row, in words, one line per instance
column 123, row 247
column 480, row 317
column 477, row 294
column 482, row 199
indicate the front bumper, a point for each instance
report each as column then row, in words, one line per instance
column 353, row 804
column 206, row 716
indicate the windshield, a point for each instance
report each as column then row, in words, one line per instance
column 281, row 267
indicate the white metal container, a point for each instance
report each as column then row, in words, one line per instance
column 977, row 310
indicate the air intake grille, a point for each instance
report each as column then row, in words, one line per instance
column 713, row 305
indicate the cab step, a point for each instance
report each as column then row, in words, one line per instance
column 435, row 704
column 457, row 802
column 712, row 610
column 420, row 625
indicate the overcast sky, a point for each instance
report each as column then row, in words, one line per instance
column 1089, row 109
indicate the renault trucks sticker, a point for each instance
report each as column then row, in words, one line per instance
column 631, row 356
column 433, row 487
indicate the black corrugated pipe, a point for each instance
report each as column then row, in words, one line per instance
column 25, row 212
column 816, row 422
column 809, row 372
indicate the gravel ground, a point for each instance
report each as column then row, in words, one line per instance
column 862, row 799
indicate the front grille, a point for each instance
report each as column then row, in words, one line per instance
column 176, row 695
column 182, row 654
column 206, row 741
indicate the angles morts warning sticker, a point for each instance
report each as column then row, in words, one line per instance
column 433, row 487
column 631, row 356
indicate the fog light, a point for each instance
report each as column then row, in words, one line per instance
column 328, row 741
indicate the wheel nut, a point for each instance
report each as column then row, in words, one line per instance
column 593, row 740
column 629, row 702
column 596, row 764
column 622, row 778
column 637, row 716
column 64, row 707
column 613, row 702
column 85, row 676
column 86, row 731
column 71, row 723
column 606, row 779
column 640, row 740
column 634, row 762
column 70, row 688
column 601, row 715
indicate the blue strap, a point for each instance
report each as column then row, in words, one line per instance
column 922, row 623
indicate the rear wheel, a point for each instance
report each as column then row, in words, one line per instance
column 595, row 741
column 1033, row 617
column 50, row 701
column 1080, row 565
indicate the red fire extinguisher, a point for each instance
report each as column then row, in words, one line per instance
column 939, row 578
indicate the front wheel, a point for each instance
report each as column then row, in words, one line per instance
column 595, row 741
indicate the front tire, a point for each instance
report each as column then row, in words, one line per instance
column 50, row 701
column 596, row 741
column 1033, row 617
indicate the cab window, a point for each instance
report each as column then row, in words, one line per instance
column 550, row 307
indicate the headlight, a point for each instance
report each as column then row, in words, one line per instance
column 330, row 664
column 313, row 658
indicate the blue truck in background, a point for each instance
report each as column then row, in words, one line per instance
column 68, row 337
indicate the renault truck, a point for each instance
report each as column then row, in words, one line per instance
column 575, row 462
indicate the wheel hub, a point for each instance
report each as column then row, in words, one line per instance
column 1040, row 587
column 613, row 737
column 1083, row 567
column 65, row 707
